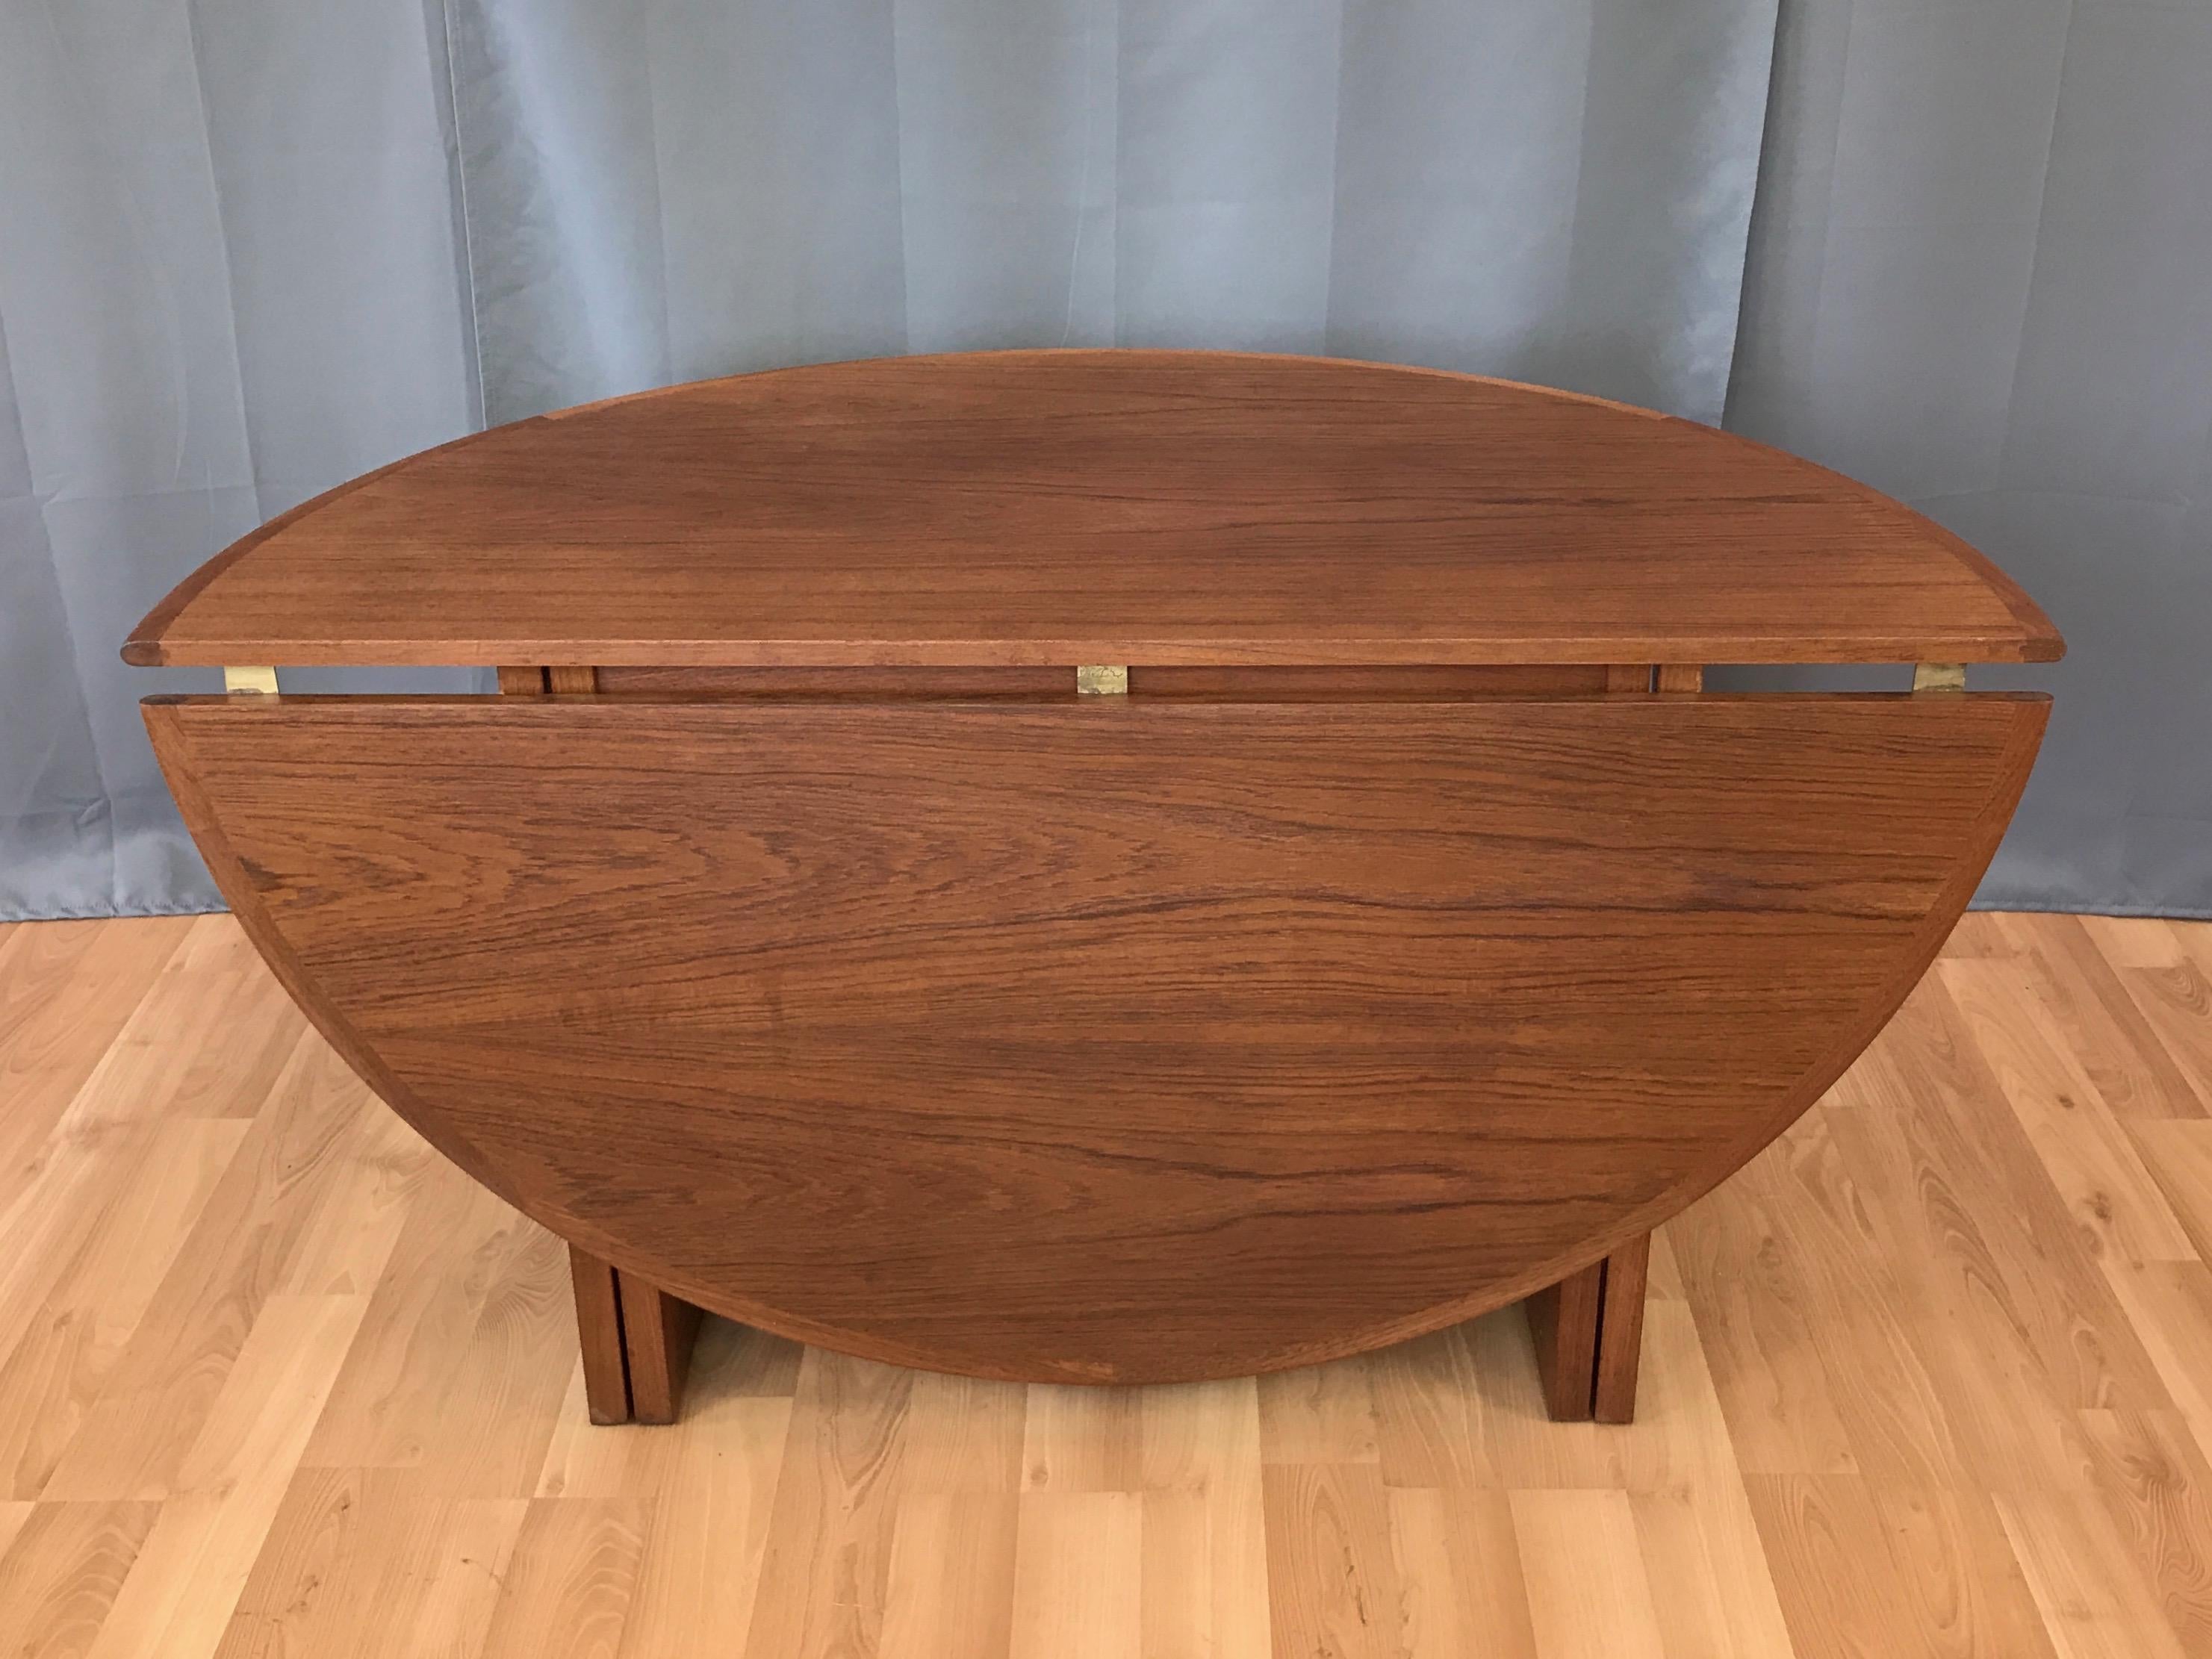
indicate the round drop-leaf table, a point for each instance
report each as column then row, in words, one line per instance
column 1099, row 866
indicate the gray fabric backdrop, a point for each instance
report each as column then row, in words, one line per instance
column 249, row 248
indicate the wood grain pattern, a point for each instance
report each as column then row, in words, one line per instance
column 635, row 1340
column 1794, row 1487
column 1329, row 1525
column 1109, row 1039
column 1581, row 1375
column 1052, row 508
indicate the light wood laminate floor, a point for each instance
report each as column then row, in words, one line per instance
column 1932, row 1376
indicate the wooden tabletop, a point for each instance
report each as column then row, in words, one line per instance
column 1099, row 506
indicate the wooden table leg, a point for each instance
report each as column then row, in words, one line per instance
column 599, row 1334
column 1563, row 1318
column 658, row 1329
column 1588, row 1329
column 1620, row 1331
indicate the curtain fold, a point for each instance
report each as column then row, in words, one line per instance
column 249, row 250
column 1981, row 280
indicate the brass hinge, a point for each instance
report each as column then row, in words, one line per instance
column 1103, row 680
column 1939, row 676
column 261, row 682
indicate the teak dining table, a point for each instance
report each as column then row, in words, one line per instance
column 1099, row 866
